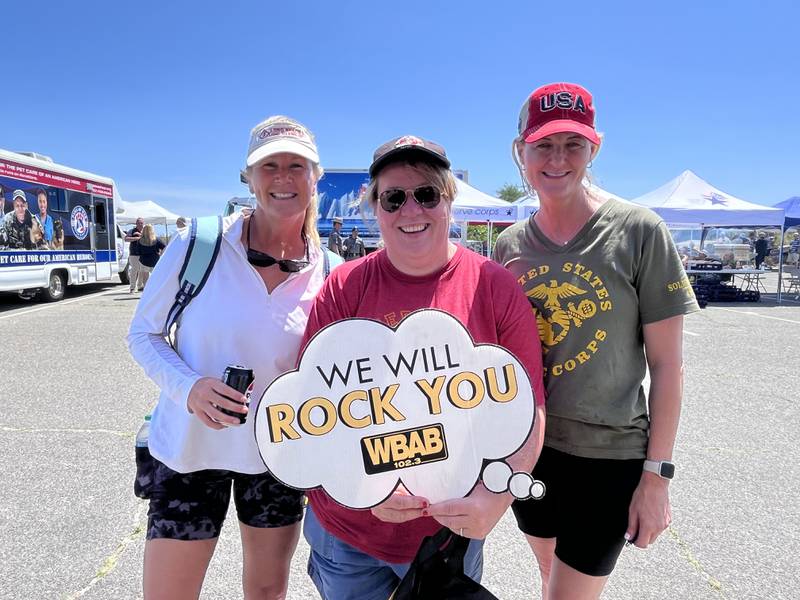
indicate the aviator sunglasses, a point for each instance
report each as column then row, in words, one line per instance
column 261, row 259
column 427, row 196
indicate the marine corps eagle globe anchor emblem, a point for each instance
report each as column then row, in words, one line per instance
column 555, row 321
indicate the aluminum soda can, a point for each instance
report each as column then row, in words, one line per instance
column 241, row 379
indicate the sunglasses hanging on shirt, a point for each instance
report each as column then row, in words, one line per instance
column 427, row 196
column 287, row 265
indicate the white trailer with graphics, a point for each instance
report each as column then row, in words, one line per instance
column 57, row 227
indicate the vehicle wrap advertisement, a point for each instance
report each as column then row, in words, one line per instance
column 340, row 195
column 45, row 217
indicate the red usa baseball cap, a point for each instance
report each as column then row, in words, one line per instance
column 408, row 147
column 558, row 108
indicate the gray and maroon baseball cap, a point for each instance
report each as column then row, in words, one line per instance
column 408, row 147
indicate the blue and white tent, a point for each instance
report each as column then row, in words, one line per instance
column 689, row 199
column 791, row 208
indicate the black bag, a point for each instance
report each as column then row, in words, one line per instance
column 437, row 572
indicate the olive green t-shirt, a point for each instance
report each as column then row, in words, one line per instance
column 591, row 298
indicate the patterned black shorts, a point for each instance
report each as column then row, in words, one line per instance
column 192, row 506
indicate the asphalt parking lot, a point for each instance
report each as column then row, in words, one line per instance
column 70, row 526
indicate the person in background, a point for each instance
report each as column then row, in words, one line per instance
column 253, row 307
column 745, row 239
column 135, row 272
column 610, row 293
column 45, row 220
column 335, row 237
column 18, row 224
column 762, row 249
column 794, row 251
column 363, row 554
column 353, row 246
column 180, row 223
column 150, row 249
column 3, row 235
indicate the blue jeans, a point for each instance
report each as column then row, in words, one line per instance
column 342, row 572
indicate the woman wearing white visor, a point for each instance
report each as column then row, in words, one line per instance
column 252, row 311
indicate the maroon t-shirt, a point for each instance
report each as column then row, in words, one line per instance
column 482, row 295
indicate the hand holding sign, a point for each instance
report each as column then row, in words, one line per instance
column 401, row 507
column 422, row 405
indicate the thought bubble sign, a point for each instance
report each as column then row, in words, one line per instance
column 370, row 407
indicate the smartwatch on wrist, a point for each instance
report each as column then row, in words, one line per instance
column 663, row 468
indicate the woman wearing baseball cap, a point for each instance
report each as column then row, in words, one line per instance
column 358, row 554
column 609, row 293
column 268, row 268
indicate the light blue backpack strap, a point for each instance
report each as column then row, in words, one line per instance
column 205, row 238
column 204, row 243
column 332, row 260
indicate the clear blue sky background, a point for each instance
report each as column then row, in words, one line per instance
column 161, row 96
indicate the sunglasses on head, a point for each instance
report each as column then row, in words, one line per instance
column 427, row 196
column 287, row 265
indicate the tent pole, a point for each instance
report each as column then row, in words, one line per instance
column 489, row 239
column 780, row 263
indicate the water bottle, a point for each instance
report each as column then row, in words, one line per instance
column 143, row 434
column 144, row 462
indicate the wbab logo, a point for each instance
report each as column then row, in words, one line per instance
column 421, row 405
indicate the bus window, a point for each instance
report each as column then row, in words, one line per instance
column 57, row 200
column 100, row 216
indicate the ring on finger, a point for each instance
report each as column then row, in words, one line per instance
column 461, row 532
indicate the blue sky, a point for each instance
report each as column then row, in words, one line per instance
column 161, row 96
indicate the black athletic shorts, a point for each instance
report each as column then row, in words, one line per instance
column 192, row 506
column 585, row 508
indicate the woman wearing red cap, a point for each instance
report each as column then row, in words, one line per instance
column 609, row 293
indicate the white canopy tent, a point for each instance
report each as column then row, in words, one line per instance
column 473, row 206
column 147, row 209
column 690, row 200
column 156, row 215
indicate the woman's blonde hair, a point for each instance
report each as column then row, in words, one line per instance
column 438, row 176
column 310, row 223
column 148, row 235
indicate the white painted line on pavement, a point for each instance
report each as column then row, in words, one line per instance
column 747, row 312
column 54, row 304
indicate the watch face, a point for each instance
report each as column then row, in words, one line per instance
column 667, row 470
